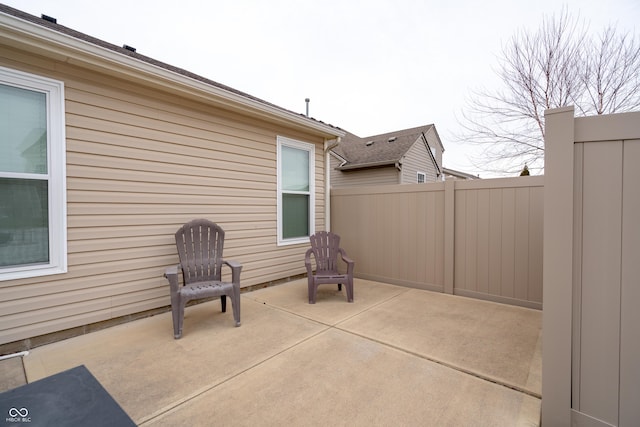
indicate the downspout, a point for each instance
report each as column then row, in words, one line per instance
column 398, row 166
column 328, row 146
column 9, row 356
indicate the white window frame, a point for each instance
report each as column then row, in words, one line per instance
column 310, row 148
column 424, row 176
column 56, row 173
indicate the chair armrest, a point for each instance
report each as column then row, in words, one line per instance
column 171, row 273
column 349, row 261
column 236, row 268
column 307, row 261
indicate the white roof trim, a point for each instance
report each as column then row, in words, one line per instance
column 82, row 52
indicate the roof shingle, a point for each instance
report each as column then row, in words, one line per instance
column 50, row 23
column 386, row 148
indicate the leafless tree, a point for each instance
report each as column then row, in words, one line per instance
column 611, row 74
column 557, row 66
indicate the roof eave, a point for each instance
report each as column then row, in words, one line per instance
column 368, row 165
column 51, row 43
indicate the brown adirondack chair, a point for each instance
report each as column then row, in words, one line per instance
column 200, row 244
column 325, row 247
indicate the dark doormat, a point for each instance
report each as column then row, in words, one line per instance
column 70, row 398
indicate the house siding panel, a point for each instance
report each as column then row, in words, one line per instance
column 373, row 176
column 417, row 160
column 336, row 177
column 434, row 142
column 140, row 163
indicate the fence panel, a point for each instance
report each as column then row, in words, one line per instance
column 482, row 236
column 591, row 294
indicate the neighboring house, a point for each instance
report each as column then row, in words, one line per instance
column 106, row 152
column 406, row 156
column 458, row 175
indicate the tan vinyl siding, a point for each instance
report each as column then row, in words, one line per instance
column 140, row 163
column 373, row 176
column 417, row 160
column 336, row 177
column 434, row 142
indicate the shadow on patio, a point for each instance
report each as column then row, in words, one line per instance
column 396, row 356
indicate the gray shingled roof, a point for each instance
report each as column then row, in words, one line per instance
column 81, row 36
column 377, row 150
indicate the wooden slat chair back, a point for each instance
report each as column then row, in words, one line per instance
column 200, row 244
column 325, row 248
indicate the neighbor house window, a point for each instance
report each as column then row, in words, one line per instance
column 422, row 177
column 32, row 176
column 296, row 189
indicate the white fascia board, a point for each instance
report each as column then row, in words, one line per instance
column 86, row 54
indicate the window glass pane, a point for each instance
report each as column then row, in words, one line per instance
column 295, row 169
column 23, row 130
column 24, row 213
column 295, row 215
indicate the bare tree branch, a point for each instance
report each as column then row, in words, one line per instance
column 557, row 66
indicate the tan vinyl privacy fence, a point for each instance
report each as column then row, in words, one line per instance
column 591, row 321
column 480, row 238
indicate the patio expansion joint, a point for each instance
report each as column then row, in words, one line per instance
column 167, row 409
column 449, row 365
column 452, row 366
column 335, row 324
column 176, row 405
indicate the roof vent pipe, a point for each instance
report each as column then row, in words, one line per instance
column 307, row 101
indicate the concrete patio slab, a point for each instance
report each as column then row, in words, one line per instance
column 336, row 378
column 11, row 373
column 495, row 341
column 362, row 363
column 146, row 370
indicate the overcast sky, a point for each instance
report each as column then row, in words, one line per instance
column 369, row 67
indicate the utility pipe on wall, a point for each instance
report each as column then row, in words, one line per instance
column 328, row 146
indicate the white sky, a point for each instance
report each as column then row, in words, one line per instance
column 368, row 66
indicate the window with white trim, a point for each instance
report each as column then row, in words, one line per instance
column 33, row 235
column 296, row 191
column 422, row 177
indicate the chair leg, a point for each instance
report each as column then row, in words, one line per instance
column 176, row 323
column 350, row 290
column 223, row 302
column 235, row 304
column 177, row 311
column 312, row 289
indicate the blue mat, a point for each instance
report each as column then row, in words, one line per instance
column 70, row 398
